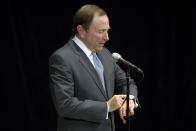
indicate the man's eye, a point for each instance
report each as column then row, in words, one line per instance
column 101, row 31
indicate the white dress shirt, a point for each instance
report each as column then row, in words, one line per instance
column 84, row 48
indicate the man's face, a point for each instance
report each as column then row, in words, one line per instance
column 97, row 34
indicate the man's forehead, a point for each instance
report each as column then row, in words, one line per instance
column 100, row 21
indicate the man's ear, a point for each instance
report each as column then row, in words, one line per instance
column 81, row 31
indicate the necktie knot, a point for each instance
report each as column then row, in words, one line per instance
column 96, row 60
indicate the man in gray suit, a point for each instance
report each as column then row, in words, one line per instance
column 84, row 77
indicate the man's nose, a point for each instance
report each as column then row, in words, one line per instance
column 106, row 37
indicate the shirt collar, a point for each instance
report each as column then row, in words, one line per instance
column 85, row 49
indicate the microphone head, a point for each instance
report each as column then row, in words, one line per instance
column 136, row 73
column 116, row 56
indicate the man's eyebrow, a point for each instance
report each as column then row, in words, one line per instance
column 105, row 29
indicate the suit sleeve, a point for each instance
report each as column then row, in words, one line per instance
column 62, row 89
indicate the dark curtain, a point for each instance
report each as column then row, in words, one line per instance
column 157, row 35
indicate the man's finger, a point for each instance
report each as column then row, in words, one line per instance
column 131, row 108
column 131, row 111
column 122, row 111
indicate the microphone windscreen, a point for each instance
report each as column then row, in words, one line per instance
column 116, row 56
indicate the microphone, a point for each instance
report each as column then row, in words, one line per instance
column 126, row 65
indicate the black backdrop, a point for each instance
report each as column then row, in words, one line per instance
column 156, row 35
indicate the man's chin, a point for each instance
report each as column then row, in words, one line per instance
column 99, row 49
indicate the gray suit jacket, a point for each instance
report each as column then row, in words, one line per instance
column 78, row 95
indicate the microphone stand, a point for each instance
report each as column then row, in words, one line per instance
column 128, row 90
column 129, row 82
column 126, row 67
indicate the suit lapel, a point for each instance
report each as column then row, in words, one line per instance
column 85, row 62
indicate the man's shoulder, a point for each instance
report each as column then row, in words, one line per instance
column 64, row 50
column 105, row 51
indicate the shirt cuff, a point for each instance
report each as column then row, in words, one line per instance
column 133, row 98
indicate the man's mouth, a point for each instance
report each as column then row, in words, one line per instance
column 102, row 44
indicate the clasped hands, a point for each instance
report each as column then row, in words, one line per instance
column 119, row 102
